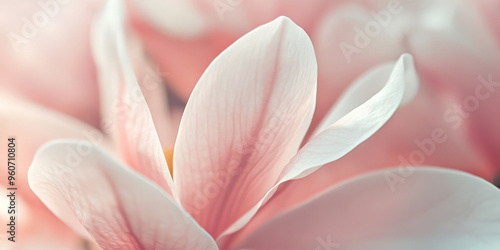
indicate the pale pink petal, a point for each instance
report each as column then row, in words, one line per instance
column 119, row 208
column 345, row 51
column 364, row 88
column 350, row 130
column 125, row 111
column 46, row 56
column 342, row 136
column 244, row 121
column 427, row 131
column 431, row 208
column 426, row 139
column 32, row 126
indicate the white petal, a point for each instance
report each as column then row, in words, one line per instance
column 430, row 208
column 89, row 190
column 124, row 109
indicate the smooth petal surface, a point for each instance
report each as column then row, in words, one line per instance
column 343, row 55
column 125, row 111
column 342, row 136
column 354, row 127
column 32, row 126
column 119, row 208
column 427, row 139
column 244, row 121
column 365, row 87
column 431, row 209
column 468, row 70
column 24, row 120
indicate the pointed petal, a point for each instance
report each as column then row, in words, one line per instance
column 364, row 88
column 244, row 121
column 431, row 208
column 416, row 135
column 354, row 127
column 119, row 208
column 343, row 54
column 124, row 109
column 342, row 136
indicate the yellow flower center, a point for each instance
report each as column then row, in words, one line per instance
column 169, row 156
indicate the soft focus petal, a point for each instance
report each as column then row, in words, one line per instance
column 32, row 126
column 125, row 111
column 364, row 88
column 120, row 209
column 426, row 139
column 354, row 127
column 46, row 57
column 342, row 136
column 343, row 54
column 19, row 118
column 244, row 121
column 431, row 209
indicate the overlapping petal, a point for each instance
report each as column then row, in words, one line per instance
column 244, row 121
column 17, row 120
column 119, row 208
column 343, row 135
column 431, row 209
column 125, row 110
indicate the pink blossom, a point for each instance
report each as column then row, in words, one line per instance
column 239, row 142
column 454, row 43
column 47, row 75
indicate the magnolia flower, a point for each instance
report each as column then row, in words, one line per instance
column 447, row 123
column 239, row 140
column 40, row 101
column 32, row 126
column 455, row 45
